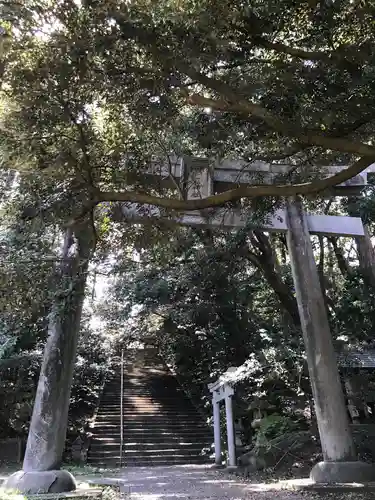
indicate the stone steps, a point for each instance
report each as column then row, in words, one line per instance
column 136, row 445
column 148, row 433
column 161, row 427
column 114, row 462
column 148, row 412
column 154, row 414
column 154, row 430
column 144, row 405
column 157, row 412
column 165, row 452
column 153, row 422
column 138, row 402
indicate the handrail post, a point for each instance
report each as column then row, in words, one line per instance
column 121, row 406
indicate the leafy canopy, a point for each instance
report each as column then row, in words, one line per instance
column 86, row 83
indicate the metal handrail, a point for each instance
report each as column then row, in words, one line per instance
column 121, row 406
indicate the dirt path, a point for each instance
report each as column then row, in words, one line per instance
column 193, row 482
column 196, row 483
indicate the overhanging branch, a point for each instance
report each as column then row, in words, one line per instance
column 253, row 191
column 311, row 138
column 231, row 100
column 308, row 55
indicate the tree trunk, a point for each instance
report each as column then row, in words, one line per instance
column 366, row 254
column 46, row 439
column 343, row 264
column 266, row 262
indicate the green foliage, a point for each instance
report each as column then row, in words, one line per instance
column 92, row 89
column 92, row 366
column 209, row 301
column 208, row 307
column 272, row 427
column 26, row 275
column 19, row 377
column 355, row 316
column 18, row 381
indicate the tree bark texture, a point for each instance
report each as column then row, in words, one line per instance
column 366, row 254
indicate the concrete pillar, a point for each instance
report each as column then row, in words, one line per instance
column 217, row 437
column 333, row 423
column 230, row 431
column 46, row 440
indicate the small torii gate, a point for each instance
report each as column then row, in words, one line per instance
column 222, row 390
column 199, row 180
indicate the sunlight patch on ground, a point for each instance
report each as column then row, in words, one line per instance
column 139, row 403
column 9, row 495
column 153, row 496
column 219, row 481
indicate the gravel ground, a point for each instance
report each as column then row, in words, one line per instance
column 194, row 482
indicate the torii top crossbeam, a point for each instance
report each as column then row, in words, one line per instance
column 226, row 173
column 199, row 179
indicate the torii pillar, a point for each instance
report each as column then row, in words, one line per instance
column 340, row 463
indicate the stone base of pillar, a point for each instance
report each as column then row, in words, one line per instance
column 343, row 472
column 231, row 468
column 51, row 481
column 218, row 466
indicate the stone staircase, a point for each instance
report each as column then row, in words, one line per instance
column 160, row 425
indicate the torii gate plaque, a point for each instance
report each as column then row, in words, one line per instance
column 340, row 461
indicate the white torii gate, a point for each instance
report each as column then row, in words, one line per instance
column 199, row 180
column 222, row 390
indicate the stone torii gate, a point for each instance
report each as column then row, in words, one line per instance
column 197, row 179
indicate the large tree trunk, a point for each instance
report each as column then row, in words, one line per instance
column 265, row 260
column 366, row 254
column 342, row 262
column 46, row 440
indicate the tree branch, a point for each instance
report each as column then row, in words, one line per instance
column 311, row 138
column 265, row 262
column 217, row 200
column 290, row 151
column 308, row 55
column 232, row 100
